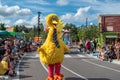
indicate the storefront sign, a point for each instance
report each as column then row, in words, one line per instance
column 109, row 28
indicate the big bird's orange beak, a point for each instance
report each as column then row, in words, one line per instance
column 55, row 23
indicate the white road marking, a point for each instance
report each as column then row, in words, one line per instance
column 43, row 66
column 75, row 73
column 80, row 55
column 67, row 56
column 4, row 77
column 37, row 55
column 17, row 69
column 74, row 56
column 102, row 66
column 34, row 60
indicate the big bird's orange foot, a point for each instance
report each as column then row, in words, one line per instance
column 49, row 78
column 58, row 77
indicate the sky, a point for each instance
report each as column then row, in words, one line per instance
column 25, row 12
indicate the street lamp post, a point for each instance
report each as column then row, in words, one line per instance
column 38, row 24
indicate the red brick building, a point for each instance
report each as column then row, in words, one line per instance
column 109, row 27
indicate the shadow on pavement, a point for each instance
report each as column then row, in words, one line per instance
column 23, row 65
column 24, row 76
column 72, row 52
column 73, row 78
column 98, row 79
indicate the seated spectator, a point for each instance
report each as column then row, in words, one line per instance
column 5, row 68
column 7, row 53
column 81, row 46
column 101, row 54
column 110, row 54
column 12, row 66
column 117, row 49
column 2, row 51
column 0, row 57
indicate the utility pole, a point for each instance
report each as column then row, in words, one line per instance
column 86, row 22
column 34, row 30
column 38, row 24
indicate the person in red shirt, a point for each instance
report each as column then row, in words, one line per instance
column 88, row 46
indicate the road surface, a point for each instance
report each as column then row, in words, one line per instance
column 75, row 67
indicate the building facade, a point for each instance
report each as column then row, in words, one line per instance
column 109, row 28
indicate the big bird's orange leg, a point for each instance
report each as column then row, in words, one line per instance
column 57, row 75
column 50, row 72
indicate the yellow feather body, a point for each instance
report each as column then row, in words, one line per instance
column 49, row 53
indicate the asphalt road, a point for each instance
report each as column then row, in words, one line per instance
column 75, row 67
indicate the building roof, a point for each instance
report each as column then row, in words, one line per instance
column 109, row 15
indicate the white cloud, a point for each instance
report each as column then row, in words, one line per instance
column 80, row 15
column 5, row 21
column 8, row 11
column 8, row 15
column 67, row 16
column 62, row 2
column 23, row 12
column 1, row 17
column 30, row 23
column 13, row 10
column 21, row 22
column 34, row 20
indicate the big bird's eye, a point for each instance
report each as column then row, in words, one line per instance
column 54, row 19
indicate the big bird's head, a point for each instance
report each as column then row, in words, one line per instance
column 52, row 20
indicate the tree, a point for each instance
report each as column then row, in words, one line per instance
column 89, row 32
column 81, row 32
column 73, row 31
column 2, row 26
column 43, row 34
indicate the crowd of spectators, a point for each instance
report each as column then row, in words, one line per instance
column 110, row 52
column 106, row 52
column 11, row 52
column 87, row 46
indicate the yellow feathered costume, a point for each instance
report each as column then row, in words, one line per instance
column 49, row 52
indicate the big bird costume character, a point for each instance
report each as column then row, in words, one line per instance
column 53, row 49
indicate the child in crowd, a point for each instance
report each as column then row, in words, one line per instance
column 101, row 54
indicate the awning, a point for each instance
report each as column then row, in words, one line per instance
column 12, row 33
column 3, row 32
column 111, row 36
